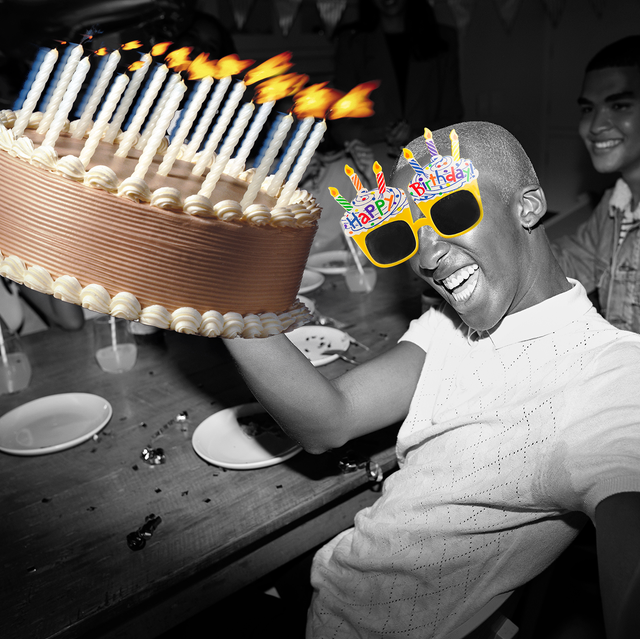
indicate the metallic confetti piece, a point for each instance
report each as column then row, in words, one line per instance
column 153, row 456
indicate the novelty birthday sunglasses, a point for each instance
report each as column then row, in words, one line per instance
column 446, row 191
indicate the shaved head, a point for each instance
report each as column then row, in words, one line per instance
column 492, row 149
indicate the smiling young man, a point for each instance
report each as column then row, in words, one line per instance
column 604, row 252
column 519, row 406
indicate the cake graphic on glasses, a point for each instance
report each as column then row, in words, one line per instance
column 445, row 190
column 127, row 191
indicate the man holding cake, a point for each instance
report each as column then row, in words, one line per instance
column 518, row 404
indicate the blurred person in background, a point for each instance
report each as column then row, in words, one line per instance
column 604, row 252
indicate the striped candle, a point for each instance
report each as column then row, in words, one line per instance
column 382, row 185
column 35, row 92
column 455, row 145
column 431, row 145
column 61, row 88
column 157, row 110
column 353, row 176
column 415, row 165
column 344, row 203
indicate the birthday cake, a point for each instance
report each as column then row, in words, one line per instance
column 153, row 250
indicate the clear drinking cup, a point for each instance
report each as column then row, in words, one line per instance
column 15, row 369
column 115, row 347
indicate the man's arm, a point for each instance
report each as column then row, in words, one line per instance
column 618, row 541
column 63, row 314
column 319, row 413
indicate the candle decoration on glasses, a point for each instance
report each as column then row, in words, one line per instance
column 431, row 145
column 35, row 92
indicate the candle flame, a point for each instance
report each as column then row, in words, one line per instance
column 231, row 65
column 356, row 103
column 179, row 59
column 134, row 44
column 279, row 87
column 348, row 170
column 202, row 67
column 407, row 154
column 160, row 49
column 334, row 191
column 134, row 66
column 271, row 67
column 102, row 51
column 376, row 167
column 314, row 101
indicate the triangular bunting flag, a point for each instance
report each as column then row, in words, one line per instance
column 331, row 11
column 287, row 11
column 508, row 10
column 241, row 9
column 554, row 8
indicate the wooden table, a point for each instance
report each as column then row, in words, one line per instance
column 66, row 568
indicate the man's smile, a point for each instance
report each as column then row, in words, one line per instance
column 461, row 284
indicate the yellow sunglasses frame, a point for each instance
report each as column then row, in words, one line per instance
column 406, row 216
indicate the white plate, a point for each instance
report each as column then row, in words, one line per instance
column 310, row 304
column 311, row 280
column 53, row 423
column 222, row 441
column 329, row 262
column 314, row 340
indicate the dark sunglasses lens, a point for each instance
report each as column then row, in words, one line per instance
column 455, row 213
column 391, row 242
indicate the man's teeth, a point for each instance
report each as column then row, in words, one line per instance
column 457, row 278
column 606, row 144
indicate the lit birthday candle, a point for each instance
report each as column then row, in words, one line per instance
column 455, row 145
column 157, row 110
column 221, row 126
column 207, row 117
column 96, row 95
column 127, row 100
column 100, row 126
column 382, row 185
column 204, row 86
column 290, row 155
column 266, row 162
column 353, row 176
column 415, row 165
column 131, row 134
column 431, row 145
column 343, row 202
column 302, row 163
column 228, row 147
column 61, row 88
column 35, row 92
column 158, row 133
column 237, row 164
column 65, row 106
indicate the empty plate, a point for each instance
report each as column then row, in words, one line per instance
column 53, row 423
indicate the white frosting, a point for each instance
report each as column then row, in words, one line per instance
column 135, row 189
column 257, row 214
column 95, row 298
column 13, row 268
column 233, row 325
column 102, row 177
column 167, row 197
column 125, row 305
column 228, row 210
column 212, row 324
column 198, row 205
column 38, row 279
column 68, row 289
column 45, row 157
column 186, row 320
column 22, row 148
column 70, row 167
column 156, row 315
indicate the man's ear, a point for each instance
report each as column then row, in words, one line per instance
column 532, row 205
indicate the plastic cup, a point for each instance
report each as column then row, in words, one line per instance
column 115, row 348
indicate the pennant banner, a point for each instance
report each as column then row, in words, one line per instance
column 554, row 10
column 508, row 10
column 241, row 9
column 287, row 12
column 331, row 11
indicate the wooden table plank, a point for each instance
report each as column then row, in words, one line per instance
column 65, row 565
